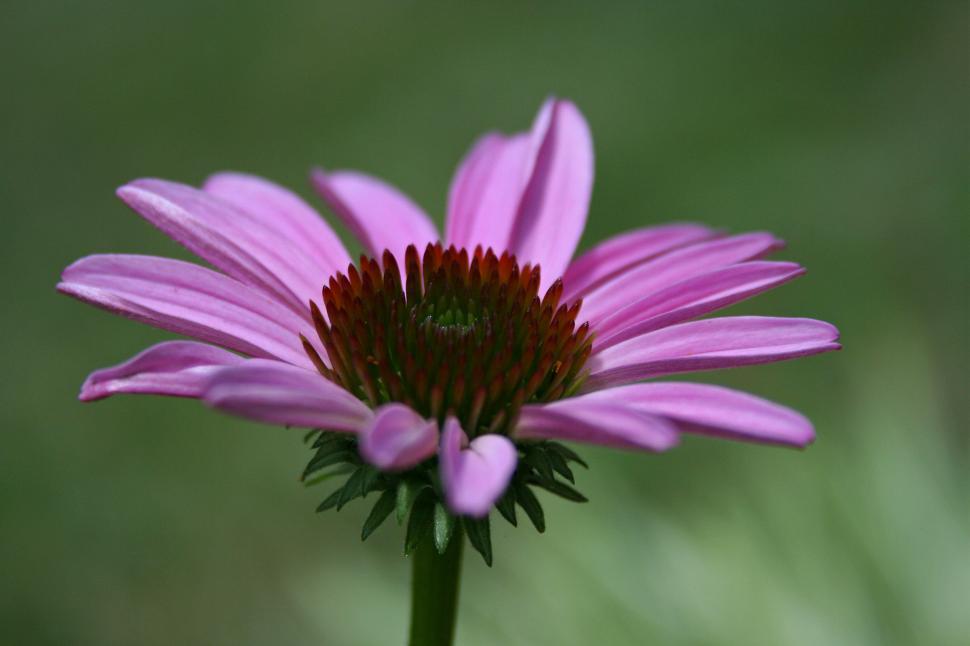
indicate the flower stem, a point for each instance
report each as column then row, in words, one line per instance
column 434, row 592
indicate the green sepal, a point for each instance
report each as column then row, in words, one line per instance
column 567, row 453
column 341, row 470
column 480, row 536
column 560, row 466
column 407, row 491
column 329, row 441
column 530, row 504
column 420, row 521
column 352, row 487
column 309, row 435
column 537, row 459
column 372, row 476
column 330, row 501
column 506, row 506
column 325, row 459
column 444, row 527
column 561, row 489
column 378, row 513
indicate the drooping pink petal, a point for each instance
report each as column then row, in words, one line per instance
column 591, row 420
column 278, row 393
column 555, row 201
column 174, row 368
column 234, row 241
column 381, row 216
column 709, row 344
column 474, row 475
column 397, row 438
column 692, row 298
column 670, row 269
column 485, row 193
column 625, row 251
column 188, row 299
column 285, row 212
column 714, row 410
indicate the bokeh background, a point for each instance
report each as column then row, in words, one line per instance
column 841, row 126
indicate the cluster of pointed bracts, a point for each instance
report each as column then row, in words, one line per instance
column 465, row 334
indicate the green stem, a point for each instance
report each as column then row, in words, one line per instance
column 434, row 592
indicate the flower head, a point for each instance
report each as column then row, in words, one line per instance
column 445, row 373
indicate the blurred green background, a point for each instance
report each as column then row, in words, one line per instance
column 840, row 126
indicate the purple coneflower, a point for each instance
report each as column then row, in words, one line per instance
column 443, row 372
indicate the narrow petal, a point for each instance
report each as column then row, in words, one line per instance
column 188, row 299
column 397, row 438
column 591, row 420
column 474, row 475
column 241, row 245
column 713, row 410
column 625, row 251
column 277, row 393
column 692, row 298
column 670, row 269
column 286, row 213
column 174, row 368
column 709, row 344
column 485, row 192
column 555, row 201
column 379, row 215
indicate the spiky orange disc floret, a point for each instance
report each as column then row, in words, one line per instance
column 463, row 334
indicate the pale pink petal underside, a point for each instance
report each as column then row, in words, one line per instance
column 714, row 410
column 379, row 215
column 709, row 344
column 670, row 269
column 475, row 474
column 485, row 193
column 243, row 246
column 397, row 438
column 285, row 212
column 555, row 202
column 625, row 251
column 173, row 368
column 692, row 298
column 188, row 299
column 593, row 421
column 277, row 393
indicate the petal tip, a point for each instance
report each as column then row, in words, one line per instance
column 834, row 334
column 212, row 183
column 133, row 194
column 397, row 438
column 91, row 392
column 476, row 476
column 136, row 186
column 318, row 176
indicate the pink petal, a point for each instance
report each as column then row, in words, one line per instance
column 713, row 410
column 476, row 476
column 555, row 201
column 174, row 368
column 278, row 393
column 243, row 246
column 670, row 269
column 625, row 251
column 594, row 421
column 397, row 438
column 378, row 214
column 188, row 299
column 486, row 191
column 692, row 298
column 707, row 345
column 287, row 214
